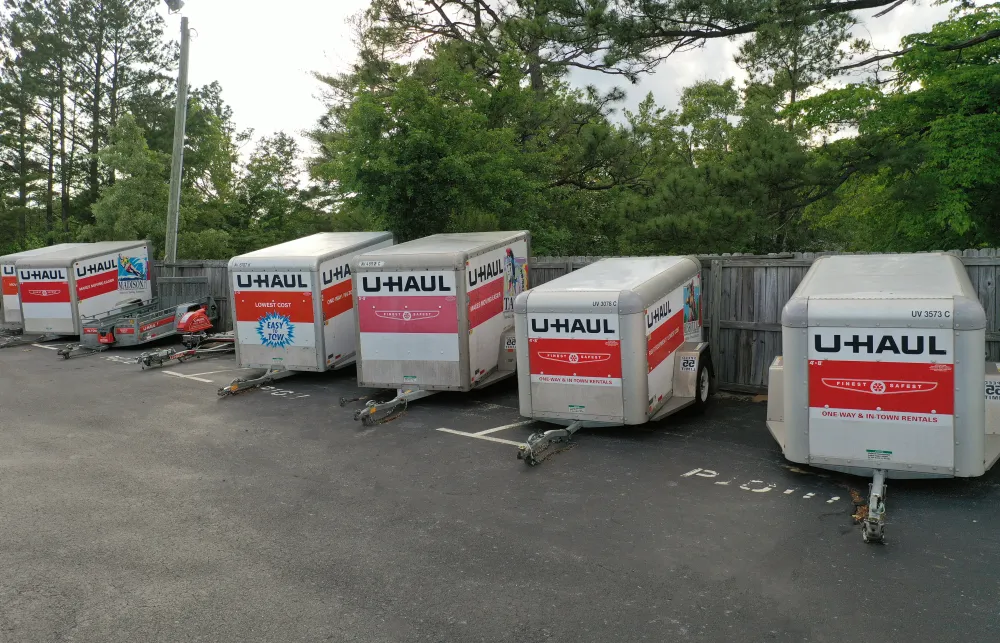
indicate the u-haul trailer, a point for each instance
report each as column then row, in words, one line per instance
column 883, row 372
column 58, row 289
column 436, row 314
column 8, row 279
column 618, row 342
column 292, row 305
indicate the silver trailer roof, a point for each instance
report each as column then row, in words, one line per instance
column 68, row 256
column 904, row 276
column 11, row 258
column 857, row 278
column 438, row 251
column 308, row 252
column 639, row 281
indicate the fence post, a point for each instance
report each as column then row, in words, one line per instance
column 716, row 312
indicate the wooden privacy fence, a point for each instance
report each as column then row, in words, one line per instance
column 190, row 280
column 742, row 297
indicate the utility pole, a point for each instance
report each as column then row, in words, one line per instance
column 177, row 158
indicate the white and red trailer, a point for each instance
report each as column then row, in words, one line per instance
column 436, row 314
column 882, row 373
column 58, row 289
column 618, row 342
column 292, row 304
column 8, row 279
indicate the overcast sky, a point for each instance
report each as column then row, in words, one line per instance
column 262, row 52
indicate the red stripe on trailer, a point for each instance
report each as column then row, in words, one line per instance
column 423, row 314
column 97, row 285
column 337, row 299
column 156, row 324
column 882, row 386
column 579, row 357
column 251, row 305
column 45, row 292
column 664, row 340
column 125, row 330
column 485, row 302
column 9, row 286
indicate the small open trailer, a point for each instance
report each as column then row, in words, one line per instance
column 134, row 323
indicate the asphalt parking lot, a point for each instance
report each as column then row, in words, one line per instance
column 140, row 506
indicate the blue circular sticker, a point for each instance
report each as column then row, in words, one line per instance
column 276, row 331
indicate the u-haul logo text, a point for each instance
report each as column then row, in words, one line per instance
column 42, row 275
column 879, row 345
column 570, row 325
column 8, row 271
column 661, row 312
column 97, row 268
column 292, row 281
column 339, row 273
column 486, row 272
column 411, row 283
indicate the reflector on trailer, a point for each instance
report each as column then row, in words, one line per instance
column 436, row 314
column 882, row 373
column 618, row 342
column 292, row 304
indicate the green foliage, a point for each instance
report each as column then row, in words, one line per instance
column 936, row 147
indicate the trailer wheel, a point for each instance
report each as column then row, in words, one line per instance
column 704, row 388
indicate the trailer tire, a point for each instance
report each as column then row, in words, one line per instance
column 703, row 389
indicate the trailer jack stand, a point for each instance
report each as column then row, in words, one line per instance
column 18, row 338
column 79, row 350
column 873, row 526
column 240, row 385
column 375, row 413
column 536, row 449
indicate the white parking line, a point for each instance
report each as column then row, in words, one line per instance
column 187, row 377
column 51, row 348
column 482, row 437
column 225, row 370
column 504, row 427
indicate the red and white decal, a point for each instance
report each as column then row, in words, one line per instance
column 251, row 305
column 158, row 323
column 882, row 375
column 96, row 285
column 8, row 293
column 665, row 332
column 485, row 282
column 45, row 292
column 337, row 299
column 45, row 296
column 582, row 349
column 493, row 279
column 101, row 283
column 408, row 316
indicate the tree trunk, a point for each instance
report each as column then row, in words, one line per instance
column 94, row 177
column 50, row 170
column 113, row 106
column 63, row 163
column 22, row 172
